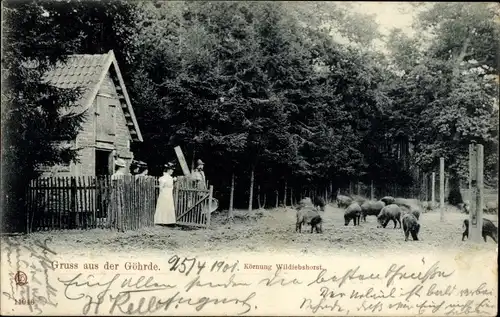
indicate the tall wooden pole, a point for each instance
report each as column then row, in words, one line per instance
column 182, row 161
column 433, row 189
column 476, row 166
column 480, row 187
column 441, row 188
column 473, row 236
column 472, row 169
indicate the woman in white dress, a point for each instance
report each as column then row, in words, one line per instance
column 165, row 209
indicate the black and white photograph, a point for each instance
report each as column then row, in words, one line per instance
column 249, row 158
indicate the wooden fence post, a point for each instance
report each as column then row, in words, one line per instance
column 210, row 204
column 441, row 188
column 73, row 202
column 476, row 166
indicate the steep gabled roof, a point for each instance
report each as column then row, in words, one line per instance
column 88, row 72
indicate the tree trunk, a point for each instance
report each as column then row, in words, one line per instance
column 277, row 198
column 250, row 198
column 265, row 198
column 258, row 196
column 291, row 197
column 372, row 192
column 284, row 198
column 231, row 197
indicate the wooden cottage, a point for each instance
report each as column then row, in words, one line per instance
column 110, row 125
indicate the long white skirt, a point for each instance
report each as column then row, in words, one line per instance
column 165, row 209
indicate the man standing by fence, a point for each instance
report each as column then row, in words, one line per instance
column 199, row 175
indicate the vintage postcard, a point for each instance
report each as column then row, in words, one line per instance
column 249, row 158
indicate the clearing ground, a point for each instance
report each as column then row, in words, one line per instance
column 271, row 230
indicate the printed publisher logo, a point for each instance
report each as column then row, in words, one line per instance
column 20, row 278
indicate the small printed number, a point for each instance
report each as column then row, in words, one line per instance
column 24, row 302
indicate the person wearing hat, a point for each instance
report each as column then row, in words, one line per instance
column 140, row 168
column 199, row 174
column 120, row 169
column 165, row 208
column 143, row 169
column 135, row 167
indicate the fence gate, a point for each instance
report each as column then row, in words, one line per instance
column 193, row 205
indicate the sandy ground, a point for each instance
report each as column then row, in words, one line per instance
column 271, row 230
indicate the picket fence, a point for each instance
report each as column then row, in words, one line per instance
column 87, row 202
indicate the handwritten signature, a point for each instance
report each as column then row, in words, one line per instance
column 131, row 297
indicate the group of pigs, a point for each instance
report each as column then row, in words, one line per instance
column 405, row 212
column 398, row 210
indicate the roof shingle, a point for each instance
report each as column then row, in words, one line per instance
column 87, row 72
column 78, row 71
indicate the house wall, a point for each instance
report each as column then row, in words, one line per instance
column 88, row 139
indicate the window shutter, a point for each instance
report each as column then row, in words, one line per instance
column 111, row 126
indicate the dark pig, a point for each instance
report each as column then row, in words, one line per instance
column 352, row 212
column 489, row 230
column 410, row 225
column 319, row 202
column 371, row 208
column 388, row 200
column 343, row 201
column 307, row 215
column 317, row 223
column 388, row 213
column 414, row 210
